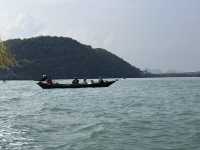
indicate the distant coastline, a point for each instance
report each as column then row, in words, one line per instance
column 164, row 75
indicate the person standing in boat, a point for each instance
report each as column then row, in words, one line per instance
column 44, row 77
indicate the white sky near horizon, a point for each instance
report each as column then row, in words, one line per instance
column 156, row 34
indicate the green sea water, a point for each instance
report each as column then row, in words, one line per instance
column 132, row 114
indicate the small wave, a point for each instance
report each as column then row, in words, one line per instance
column 97, row 132
column 88, row 127
column 90, row 132
column 14, row 99
column 3, row 109
column 57, row 110
column 37, row 128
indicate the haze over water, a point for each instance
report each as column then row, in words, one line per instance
column 140, row 114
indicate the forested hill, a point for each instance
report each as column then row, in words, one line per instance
column 63, row 57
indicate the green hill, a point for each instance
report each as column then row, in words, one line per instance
column 63, row 57
column 6, row 59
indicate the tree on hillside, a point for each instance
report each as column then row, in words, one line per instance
column 6, row 58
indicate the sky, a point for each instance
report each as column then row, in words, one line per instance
column 155, row 34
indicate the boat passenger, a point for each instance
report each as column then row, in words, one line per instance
column 75, row 81
column 85, row 81
column 92, row 81
column 44, row 77
column 101, row 80
column 49, row 82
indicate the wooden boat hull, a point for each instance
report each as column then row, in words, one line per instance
column 62, row 86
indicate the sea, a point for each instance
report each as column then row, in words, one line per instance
column 132, row 114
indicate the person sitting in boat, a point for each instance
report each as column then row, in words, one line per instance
column 49, row 81
column 85, row 81
column 92, row 81
column 101, row 80
column 75, row 81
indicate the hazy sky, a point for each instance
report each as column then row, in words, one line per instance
column 163, row 34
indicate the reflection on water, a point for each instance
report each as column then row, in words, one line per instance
column 11, row 138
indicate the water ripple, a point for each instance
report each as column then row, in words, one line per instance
column 142, row 114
